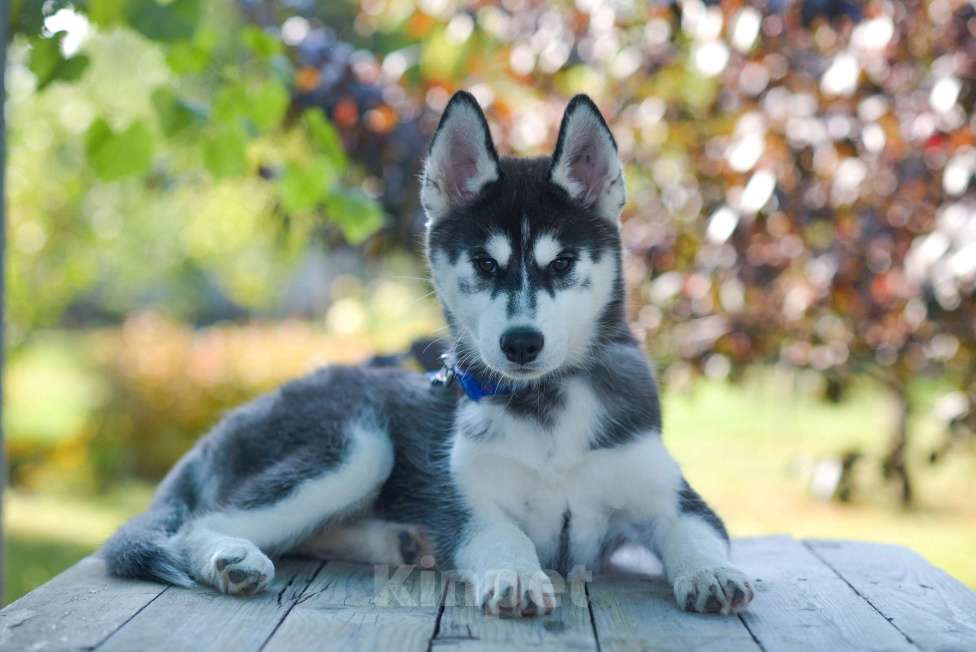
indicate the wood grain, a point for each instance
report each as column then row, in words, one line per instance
column 801, row 604
column 79, row 608
column 932, row 609
column 464, row 626
column 203, row 619
column 637, row 613
column 352, row 607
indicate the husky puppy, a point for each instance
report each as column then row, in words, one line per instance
column 542, row 450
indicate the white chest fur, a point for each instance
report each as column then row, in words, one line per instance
column 538, row 476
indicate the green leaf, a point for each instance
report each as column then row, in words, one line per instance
column 266, row 105
column 302, row 187
column 260, row 42
column 105, row 13
column 225, row 151
column 325, row 137
column 230, row 103
column 176, row 114
column 189, row 57
column 114, row 155
column 49, row 65
column 356, row 214
column 170, row 22
column 73, row 68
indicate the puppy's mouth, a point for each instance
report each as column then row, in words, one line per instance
column 523, row 373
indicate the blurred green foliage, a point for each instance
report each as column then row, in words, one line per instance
column 49, row 64
column 151, row 150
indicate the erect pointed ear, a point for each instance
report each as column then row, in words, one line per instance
column 461, row 160
column 585, row 163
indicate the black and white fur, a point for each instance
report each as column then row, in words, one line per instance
column 364, row 463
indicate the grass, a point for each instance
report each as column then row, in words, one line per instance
column 748, row 448
column 46, row 533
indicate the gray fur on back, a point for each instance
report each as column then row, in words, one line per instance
column 262, row 451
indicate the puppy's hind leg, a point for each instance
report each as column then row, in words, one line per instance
column 371, row 541
column 229, row 548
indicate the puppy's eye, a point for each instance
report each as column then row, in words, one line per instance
column 486, row 264
column 562, row 265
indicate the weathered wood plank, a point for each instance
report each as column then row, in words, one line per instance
column 639, row 613
column 464, row 626
column 934, row 610
column 820, row 596
column 801, row 604
column 352, row 607
column 79, row 608
column 203, row 619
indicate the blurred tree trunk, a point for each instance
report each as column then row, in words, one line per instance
column 895, row 464
column 3, row 238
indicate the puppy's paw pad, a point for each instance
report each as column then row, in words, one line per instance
column 516, row 594
column 239, row 569
column 722, row 589
column 414, row 546
column 740, row 591
column 535, row 608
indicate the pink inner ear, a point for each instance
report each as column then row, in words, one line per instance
column 588, row 166
column 462, row 166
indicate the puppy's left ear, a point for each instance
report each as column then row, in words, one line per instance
column 585, row 163
column 461, row 160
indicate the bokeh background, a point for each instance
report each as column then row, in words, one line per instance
column 208, row 198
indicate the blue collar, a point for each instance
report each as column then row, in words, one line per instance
column 474, row 388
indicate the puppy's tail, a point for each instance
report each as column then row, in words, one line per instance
column 141, row 549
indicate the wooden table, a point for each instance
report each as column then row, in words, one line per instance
column 810, row 595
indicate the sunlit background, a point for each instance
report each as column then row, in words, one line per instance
column 208, row 198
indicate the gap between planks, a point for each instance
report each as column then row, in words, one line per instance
column 928, row 606
column 300, row 598
column 191, row 618
column 801, row 603
column 79, row 609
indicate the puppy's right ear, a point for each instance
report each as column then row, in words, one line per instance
column 461, row 160
column 585, row 163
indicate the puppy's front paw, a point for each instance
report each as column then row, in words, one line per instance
column 516, row 593
column 241, row 569
column 713, row 590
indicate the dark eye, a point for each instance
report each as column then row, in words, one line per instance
column 486, row 264
column 562, row 265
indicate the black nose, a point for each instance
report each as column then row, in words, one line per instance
column 522, row 345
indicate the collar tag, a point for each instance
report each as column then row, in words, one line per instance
column 473, row 388
column 442, row 376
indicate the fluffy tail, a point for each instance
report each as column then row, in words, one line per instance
column 141, row 548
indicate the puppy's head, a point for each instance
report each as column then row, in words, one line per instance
column 524, row 253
